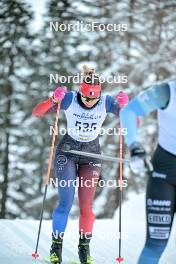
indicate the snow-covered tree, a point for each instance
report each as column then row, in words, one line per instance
column 15, row 74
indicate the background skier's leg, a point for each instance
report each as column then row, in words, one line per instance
column 88, row 177
column 160, row 203
column 65, row 171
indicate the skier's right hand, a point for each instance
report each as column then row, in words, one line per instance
column 138, row 156
column 58, row 94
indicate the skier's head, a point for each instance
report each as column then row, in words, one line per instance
column 90, row 88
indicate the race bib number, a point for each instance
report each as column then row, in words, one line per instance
column 85, row 126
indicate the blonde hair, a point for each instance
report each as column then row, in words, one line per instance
column 87, row 71
column 90, row 76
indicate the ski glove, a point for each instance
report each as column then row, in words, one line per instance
column 58, row 94
column 138, row 156
column 122, row 98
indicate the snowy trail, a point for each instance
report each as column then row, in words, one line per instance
column 18, row 238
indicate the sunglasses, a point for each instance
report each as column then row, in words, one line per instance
column 87, row 99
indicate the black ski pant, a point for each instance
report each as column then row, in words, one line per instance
column 160, row 205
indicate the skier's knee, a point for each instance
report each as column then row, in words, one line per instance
column 63, row 209
column 87, row 213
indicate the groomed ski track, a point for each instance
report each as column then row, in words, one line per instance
column 18, row 238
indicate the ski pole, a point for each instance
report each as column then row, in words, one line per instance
column 120, row 259
column 96, row 156
column 35, row 254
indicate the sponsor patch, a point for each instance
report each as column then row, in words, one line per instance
column 61, row 161
column 95, row 164
column 159, row 232
column 161, row 219
column 159, row 175
column 95, row 173
column 151, row 202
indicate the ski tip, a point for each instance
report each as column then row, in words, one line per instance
column 119, row 259
column 35, row 255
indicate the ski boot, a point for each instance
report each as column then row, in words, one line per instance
column 56, row 250
column 84, row 250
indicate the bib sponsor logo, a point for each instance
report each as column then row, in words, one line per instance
column 162, row 219
column 86, row 116
column 82, row 138
column 151, row 202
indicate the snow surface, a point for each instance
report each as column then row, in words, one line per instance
column 17, row 240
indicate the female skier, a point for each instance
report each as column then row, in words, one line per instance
column 161, row 187
column 85, row 112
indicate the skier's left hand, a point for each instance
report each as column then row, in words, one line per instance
column 122, row 99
